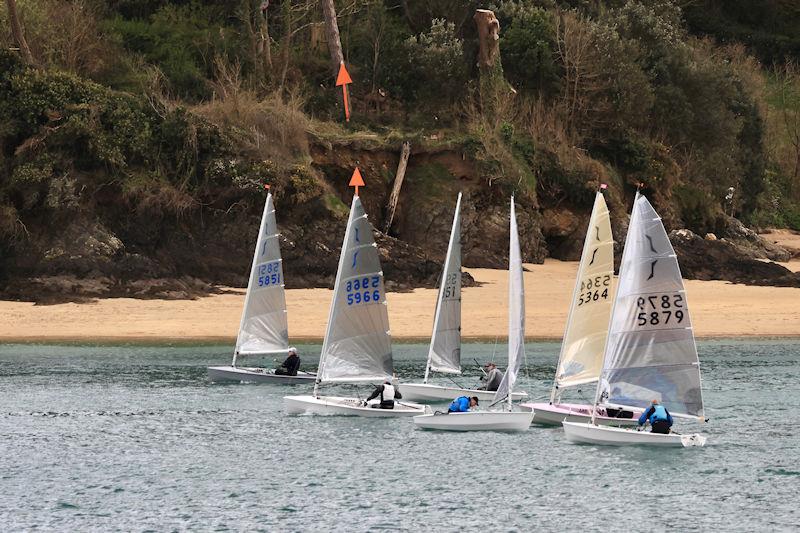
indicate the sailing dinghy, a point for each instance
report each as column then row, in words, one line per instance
column 650, row 352
column 444, row 353
column 357, row 346
column 263, row 329
column 504, row 419
column 581, row 354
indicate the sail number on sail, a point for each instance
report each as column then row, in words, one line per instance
column 660, row 309
column 363, row 290
column 592, row 289
column 269, row 274
column 450, row 289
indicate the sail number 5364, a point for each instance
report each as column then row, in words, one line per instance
column 660, row 309
column 593, row 289
column 363, row 290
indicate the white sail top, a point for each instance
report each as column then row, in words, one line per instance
column 444, row 354
column 357, row 345
column 263, row 328
column 581, row 355
column 516, row 313
column 651, row 353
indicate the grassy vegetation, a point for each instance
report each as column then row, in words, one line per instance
column 173, row 101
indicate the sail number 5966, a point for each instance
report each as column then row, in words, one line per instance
column 363, row 290
column 660, row 309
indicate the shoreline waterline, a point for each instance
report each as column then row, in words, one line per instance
column 719, row 310
column 225, row 341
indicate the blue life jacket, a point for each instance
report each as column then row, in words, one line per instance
column 459, row 405
column 659, row 414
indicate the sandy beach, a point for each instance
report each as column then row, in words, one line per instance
column 719, row 309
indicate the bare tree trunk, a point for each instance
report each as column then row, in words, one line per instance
column 332, row 34
column 286, row 12
column 247, row 18
column 492, row 86
column 398, row 182
column 265, row 40
column 16, row 31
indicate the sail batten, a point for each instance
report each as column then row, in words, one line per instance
column 581, row 357
column 651, row 352
column 444, row 353
column 516, row 313
column 357, row 345
column 263, row 327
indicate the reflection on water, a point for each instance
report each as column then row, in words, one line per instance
column 134, row 438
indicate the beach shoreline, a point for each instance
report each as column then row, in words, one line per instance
column 720, row 310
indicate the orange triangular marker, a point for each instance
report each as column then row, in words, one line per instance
column 356, row 180
column 343, row 78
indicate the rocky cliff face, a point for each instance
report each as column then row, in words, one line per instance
column 115, row 249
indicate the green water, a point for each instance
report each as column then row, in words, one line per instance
column 135, row 438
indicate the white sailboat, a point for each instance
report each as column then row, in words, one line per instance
column 581, row 356
column 357, row 345
column 263, row 328
column 444, row 353
column 505, row 419
column 650, row 353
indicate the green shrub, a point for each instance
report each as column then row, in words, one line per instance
column 527, row 46
column 438, row 71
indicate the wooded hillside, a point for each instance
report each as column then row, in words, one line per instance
column 136, row 135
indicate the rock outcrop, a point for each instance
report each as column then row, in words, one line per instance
column 722, row 259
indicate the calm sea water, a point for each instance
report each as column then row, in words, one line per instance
column 135, row 438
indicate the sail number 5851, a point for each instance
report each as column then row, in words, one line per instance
column 660, row 309
column 269, row 274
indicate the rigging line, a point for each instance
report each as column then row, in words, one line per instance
column 457, row 383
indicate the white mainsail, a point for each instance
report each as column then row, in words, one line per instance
column 444, row 354
column 581, row 357
column 651, row 353
column 263, row 328
column 357, row 345
column 516, row 313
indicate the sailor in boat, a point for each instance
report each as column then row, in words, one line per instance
column 291, row 365
column 659, row 418
column 387, row 393
column 493, row 377
column 462, row 404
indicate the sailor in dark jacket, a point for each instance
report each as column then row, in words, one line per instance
column 659, row 418
column 388, row 394
column 291, row 365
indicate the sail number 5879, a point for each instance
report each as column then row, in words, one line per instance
column 660, row 309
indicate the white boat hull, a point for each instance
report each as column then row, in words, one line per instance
column 338, row 406
column 547, row 414
column 426, row 392
column 476, row 421
column 256, row 375
column 611, row 436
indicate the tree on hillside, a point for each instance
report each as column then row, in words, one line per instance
column 16, row 31
column 332, row 33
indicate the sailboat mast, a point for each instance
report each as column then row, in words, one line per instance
column 575, row 290
column 625, row 250
column 261, row 229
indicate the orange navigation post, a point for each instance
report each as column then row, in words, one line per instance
column 356, row 181
column 343, row 79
